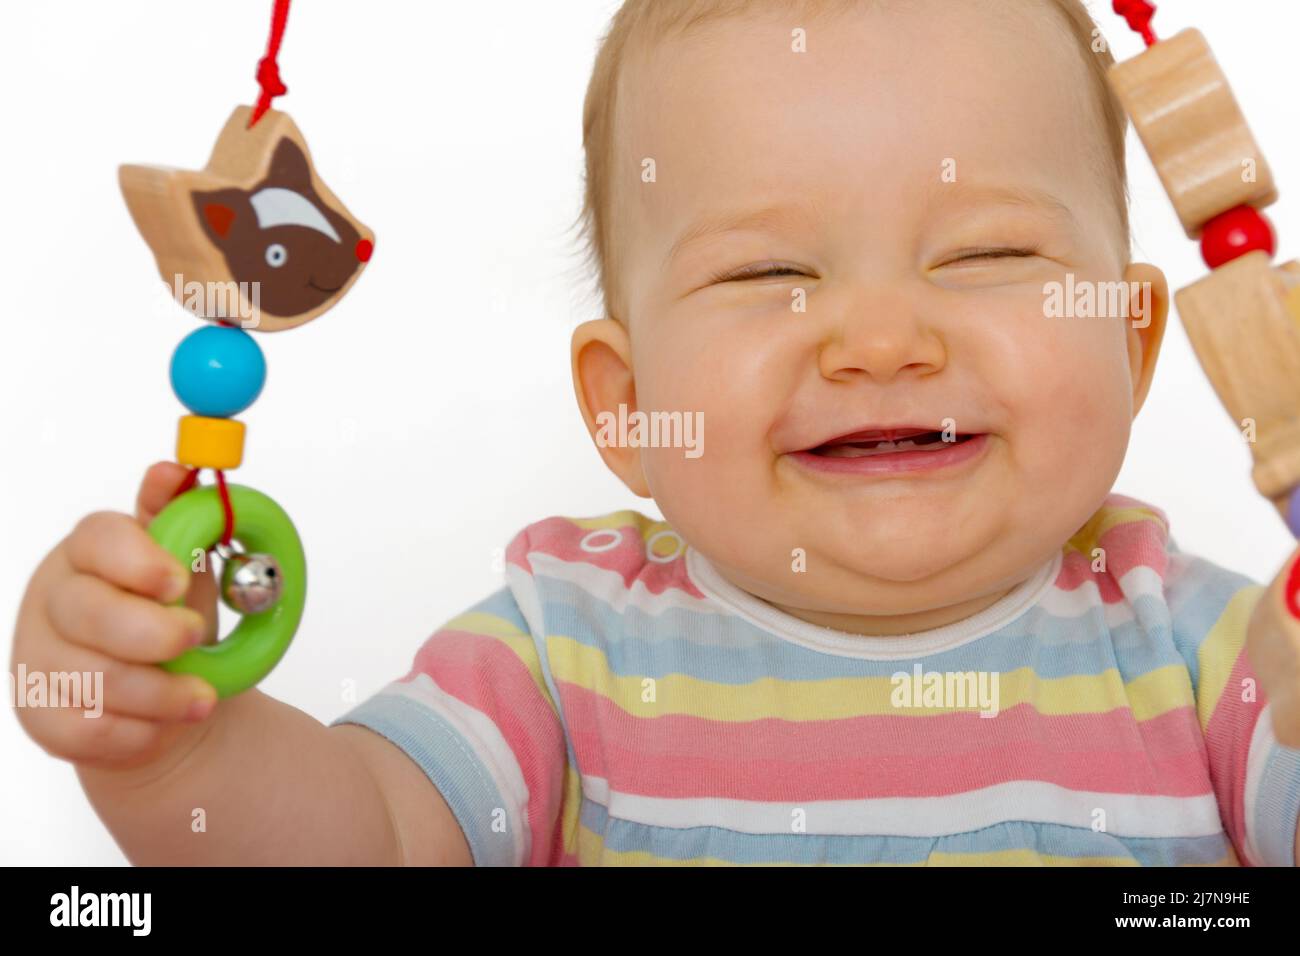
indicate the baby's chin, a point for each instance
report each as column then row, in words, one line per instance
column 900, row 581
column 825, row 563
column 911, row 557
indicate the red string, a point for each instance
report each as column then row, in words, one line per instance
column 268, row 70
column 190, row 480
column 1138, row 13
column 226, row 508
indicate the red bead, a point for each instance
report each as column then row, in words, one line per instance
column 1233, row 234
column 364, row 248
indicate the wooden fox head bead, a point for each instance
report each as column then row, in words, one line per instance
column 257, row 223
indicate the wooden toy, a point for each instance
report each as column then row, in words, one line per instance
column 1188, row 120
column 257, row 218
column 1249, row 344
column 254, row 241
column 1244, row 317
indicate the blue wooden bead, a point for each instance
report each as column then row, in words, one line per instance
column 218, row 371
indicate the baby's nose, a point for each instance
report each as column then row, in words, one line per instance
column 364, row 248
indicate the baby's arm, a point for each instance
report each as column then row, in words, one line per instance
column 253, row 781
column 275, row 786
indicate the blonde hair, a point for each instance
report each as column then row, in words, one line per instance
column 650, row 21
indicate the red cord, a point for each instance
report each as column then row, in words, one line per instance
column 226, row 508
column 1138, row 13
column 190, row 481
column 268, row 70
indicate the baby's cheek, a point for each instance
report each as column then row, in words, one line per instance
column 731, row 395
column 1078, row 413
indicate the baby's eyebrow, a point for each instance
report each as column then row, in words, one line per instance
column 1027, row 197
column 773, row 218
column 769, row 218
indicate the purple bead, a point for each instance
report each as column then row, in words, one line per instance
column 1293, row 511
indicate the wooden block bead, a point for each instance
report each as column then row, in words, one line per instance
column 1249, row 345
column 210, row 442
column 1193, row 130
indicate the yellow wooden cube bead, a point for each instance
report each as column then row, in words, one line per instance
column 210, row 442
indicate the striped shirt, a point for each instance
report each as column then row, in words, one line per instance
column 619, row 702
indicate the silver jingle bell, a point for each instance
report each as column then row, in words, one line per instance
column 251, row 583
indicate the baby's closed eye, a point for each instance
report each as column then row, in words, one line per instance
column 760, row 270
column 978, row 254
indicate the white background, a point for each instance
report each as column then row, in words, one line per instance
column 413, row 429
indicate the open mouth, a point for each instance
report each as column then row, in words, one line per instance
column 873, row 444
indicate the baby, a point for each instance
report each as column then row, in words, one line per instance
column 895, row 613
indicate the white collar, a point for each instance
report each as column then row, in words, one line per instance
column 886, row 648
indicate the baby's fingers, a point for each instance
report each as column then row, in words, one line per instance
column 89, row 612
column 106, row 687
column 151, row 693
column 109, row 738
column 159, row 486
column 118, row 549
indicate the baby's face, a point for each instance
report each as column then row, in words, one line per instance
column 921, row 172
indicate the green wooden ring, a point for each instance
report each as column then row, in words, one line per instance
column 192, row 524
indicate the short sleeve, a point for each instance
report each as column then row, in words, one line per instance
column 474, row 713
column 1256, row 780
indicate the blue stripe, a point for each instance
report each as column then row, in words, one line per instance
column 1278, row 810
column 1197, row 599
column 726, row 649
column 1046, row 839
column 451, row 765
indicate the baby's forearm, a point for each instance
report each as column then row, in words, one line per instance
column 261, row 783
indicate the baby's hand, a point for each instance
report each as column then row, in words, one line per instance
column 1273, row 647
column 97, row 606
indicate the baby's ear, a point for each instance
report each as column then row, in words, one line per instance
column 601, row 354
column 1148, row 310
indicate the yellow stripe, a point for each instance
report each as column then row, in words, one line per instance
column 1086, row 538
column 571, row 809
column 1154, row 693
column 1217, row 654
column 646, row 526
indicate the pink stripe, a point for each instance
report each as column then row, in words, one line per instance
column 1227, row 737
column 562, row 539
column 1138, row 543
column 486, row 674
column 774, row 760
